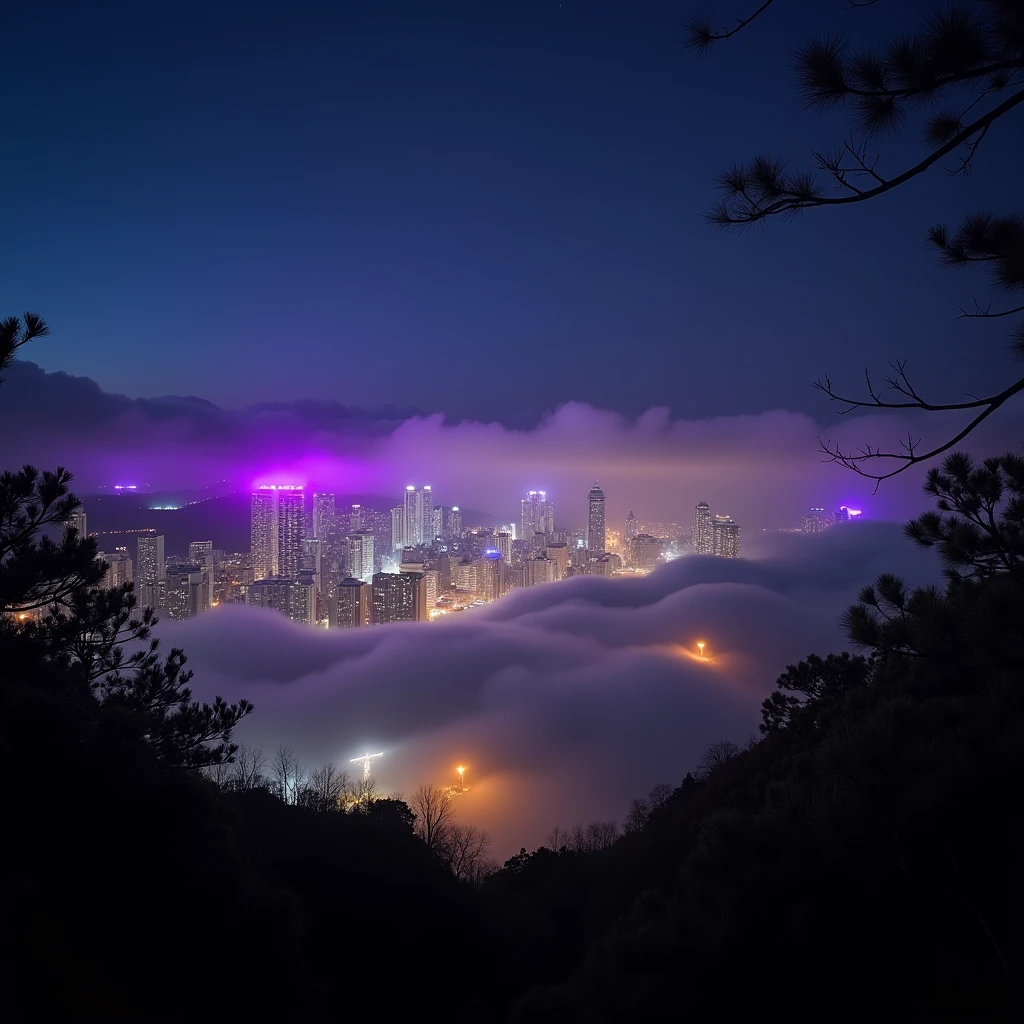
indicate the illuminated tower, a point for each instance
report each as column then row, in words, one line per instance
column 631, row 527
column 360, row 555
column 78, row 521
column 726, row 537
column 503, row 542
column 537, row 515
column 324, row 514
column 595, row 519
column 455, row 522
column 398, row 528
column 200, row 552
column 703, row 530
column 355, row 519
column 354, row 604
column 150, row 569
column 419, row 516
column 277, row 530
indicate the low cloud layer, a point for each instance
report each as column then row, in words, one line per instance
column 762, row 469
column 565, row 700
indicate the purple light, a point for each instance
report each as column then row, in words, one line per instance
column 279, row 487
column 126, row 487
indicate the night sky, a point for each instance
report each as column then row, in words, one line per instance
column 484, row 209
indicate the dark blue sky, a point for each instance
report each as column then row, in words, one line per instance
column 482, row 208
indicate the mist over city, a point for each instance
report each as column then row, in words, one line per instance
column 512, row 511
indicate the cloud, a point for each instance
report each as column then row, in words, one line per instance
column 763, row 469
column 565, row 700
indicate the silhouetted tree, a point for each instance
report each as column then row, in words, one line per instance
column 463, row 852
column 394, row 812
column 435, row 815
column 811, row 685
column 978, row 529
column 715, row 756
column 659, row 795
column 963, row 70
column 325, row 791
column 637, row 815
column 288, row 775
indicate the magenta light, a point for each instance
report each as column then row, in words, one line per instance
column 279, row 487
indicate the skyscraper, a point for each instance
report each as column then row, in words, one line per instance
column 631, row 527
column 360, row 555
column 503, row 543
column 418, row 520
column 354, row 603
column 815, row 521
column 355, row 519
column 184, row 592
column 455, row 522
column 595, row 519
column 558, row 552
column 537, row 515
column 726, row 537
column 200, row 552
column 277, row 530
column 703, row 530
column 294, row 597
column 398, row 528
column 324, row 516
column 78, row 521
column 399, row 597
column 150, row 569
column 119, row 568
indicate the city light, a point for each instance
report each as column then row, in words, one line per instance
column 279, row 487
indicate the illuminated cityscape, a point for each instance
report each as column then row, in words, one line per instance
column 354, row 566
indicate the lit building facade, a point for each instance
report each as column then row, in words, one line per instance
column 200, row 552
column 119, row 568
column 815, row 521
column 294, row 597
column 150, row 569
column 537, row 515
column 418, row 516
column 184, row 592
column 595, row 519
column 540, row 569
column 558, row 552
column 355, row 606
column 631, row 527
column 324, row 516
column 360, row 555
column 703, row 530
column 277, row 527
column 399, row 597
column 455, row 523
column 503, row 543
column 726, row 537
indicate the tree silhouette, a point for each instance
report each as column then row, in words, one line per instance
column 819, row 683
column 961, row 74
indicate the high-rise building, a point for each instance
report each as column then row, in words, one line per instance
column 540, row 569
column 355, row 605
column 200, row 552
column 537, row 515
column 294, row 597
column 184, row 592
column 398, row 528
column 558, row 552
column 703, row 530
column 324, row 516
column 355, row 519
column 78, row 521
column 277, row 530
column 492, row 579
column 119, row 568
column 455, row 523
column 437, row 527
column 419, row 516
column 150, row 569
column 466, row 576
column 645, row 551
column 503, row 543
column 726, row 537
column 595, row 519
column 360, row 555
column 631, row 527
column 399, row 597
column 815, row 521
column 845, row 514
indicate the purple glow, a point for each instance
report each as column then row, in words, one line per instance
column 279, row 487
column 126, row 487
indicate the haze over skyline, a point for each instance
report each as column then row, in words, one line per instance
column 411, row 197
